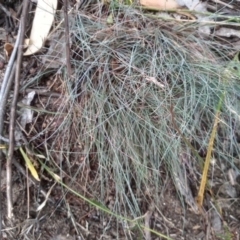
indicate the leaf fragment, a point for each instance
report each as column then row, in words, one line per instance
column 29, row 165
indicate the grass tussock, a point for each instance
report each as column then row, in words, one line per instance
column 118, row 127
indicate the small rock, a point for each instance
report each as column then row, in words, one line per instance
column 62, row 237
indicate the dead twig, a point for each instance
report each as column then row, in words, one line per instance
column 42, row 92
column 5, row 88
column 147, row 220
column 13, row 110
column 3, row 100
column 68, row 63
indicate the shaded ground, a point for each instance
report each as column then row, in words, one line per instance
column 72, row 152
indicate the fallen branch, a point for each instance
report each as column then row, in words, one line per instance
column 4, row 92
column 68, row 63
column 21, row 32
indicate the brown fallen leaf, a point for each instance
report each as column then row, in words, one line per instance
column 8, row 48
